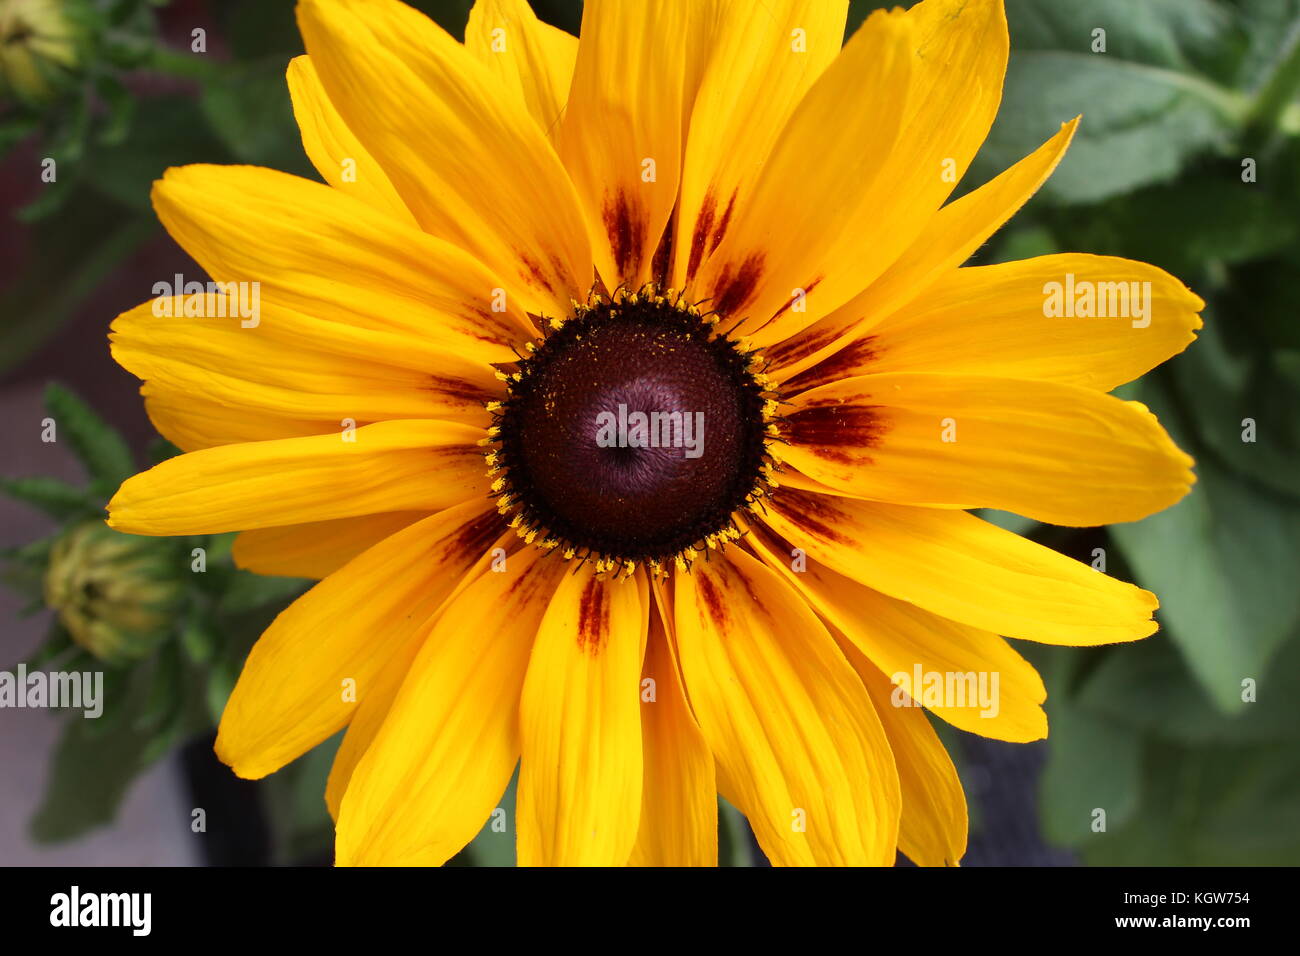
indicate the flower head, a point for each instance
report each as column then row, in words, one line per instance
column 628, row 397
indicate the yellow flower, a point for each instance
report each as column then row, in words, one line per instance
column 702, row 207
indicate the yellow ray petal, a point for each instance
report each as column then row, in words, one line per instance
column 998, row 320
column 780, row 251
column 965, row 569
column 261, row 371
column 759, row 66
column 793, row 731
column 958, row 60
column 948, row 239
column 318, row 548
column 388, row 466
column 1058, row 453
column 898, row 637
column 932, row 827
column 333, row 148
column 320, row 253
column 373, row 708
column 447, row 748
column 456, row 142
column 191, row 422
column 580, row 724
column 304, row 676
column 621, row 136
column 679, row 805
column 529, row 56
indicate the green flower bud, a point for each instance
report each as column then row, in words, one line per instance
column 117, row 594
column 40, row 48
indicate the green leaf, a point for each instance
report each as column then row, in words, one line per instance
column 164, row 689
column 1224, row 564
column 733, row 836
column 197, row 639
column 55, row 497
column 71, row 255
column 99, row 446
column 248, row 591
column 1228, row 390
column 165, row 132
column 1146, row 109
column 300, row 821
column 1231, row 222
column 247, row 105
column 1211, row 806
column 496, row 847
column 89, row 776
column 1148, row 689
column 1093, row 763
column 57, row 643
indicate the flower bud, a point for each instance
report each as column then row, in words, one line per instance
column 117, row 594
column 39, row 49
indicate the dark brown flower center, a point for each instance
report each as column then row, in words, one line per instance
column 632, row 433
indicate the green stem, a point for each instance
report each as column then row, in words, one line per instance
column 1276, row 95
column 184, row 65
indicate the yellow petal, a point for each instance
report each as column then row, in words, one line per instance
column 898, row 637
column 318, row 548
column 372, row 709
column 756, row 72
column 434, row 772
column 958, row 57
column 580, row 724
column 933, row 824
column 791, row 727
column 963, row 568
column 191, row 422
column 996, row 320
column 948, row 239
column 1058, row 453
column 679, row 804
column 388, row 466
column 529, row 56
column 333, row 149
column 259, row 371
column 782, row 250
column 621, row 136
column 317, row 252
column 304, row 676
column 458, row 145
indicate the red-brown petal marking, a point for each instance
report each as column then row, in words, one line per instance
column 834, row 430
column 593, row 616
column 625, row 223
column 816, row 514
column 799, row 346
column 846, row 363
column 736, row 287
column 715, row 602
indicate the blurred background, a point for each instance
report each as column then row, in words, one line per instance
column 1188, row 157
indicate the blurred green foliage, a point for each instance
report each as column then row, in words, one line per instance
column 1188, row 158
column 162, row 684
